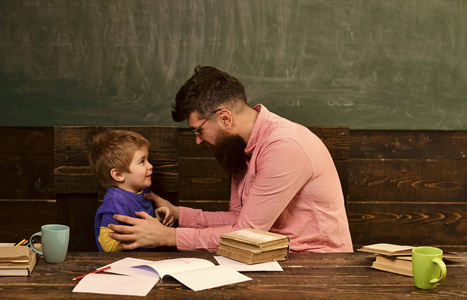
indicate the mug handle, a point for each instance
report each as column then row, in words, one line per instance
column 442, row 266
column 32, row 244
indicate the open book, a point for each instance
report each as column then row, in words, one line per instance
column 197, row 274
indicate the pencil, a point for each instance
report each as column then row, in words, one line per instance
column 96, row 271
column 21, row 242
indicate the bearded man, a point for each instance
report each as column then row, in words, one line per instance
column 283, row 178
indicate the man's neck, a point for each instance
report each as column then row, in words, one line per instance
column 246, row 123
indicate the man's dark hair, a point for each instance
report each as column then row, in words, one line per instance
column 206, row 90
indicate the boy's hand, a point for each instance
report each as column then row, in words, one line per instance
column 161, row 202
column 165, row 216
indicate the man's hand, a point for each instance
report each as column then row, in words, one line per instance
column 160, row 202
column 146, row 232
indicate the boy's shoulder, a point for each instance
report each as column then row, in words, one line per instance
column 115, row 202
column 114, row 197
column 113, row 192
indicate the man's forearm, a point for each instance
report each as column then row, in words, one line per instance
column 176, row 212
column 169, row 237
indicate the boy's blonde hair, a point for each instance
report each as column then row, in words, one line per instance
column 113, row 149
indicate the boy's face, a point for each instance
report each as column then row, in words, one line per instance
column 141, row 172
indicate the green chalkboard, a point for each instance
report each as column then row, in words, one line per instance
column 366, row 64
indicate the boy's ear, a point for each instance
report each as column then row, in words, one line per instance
column 116, row 175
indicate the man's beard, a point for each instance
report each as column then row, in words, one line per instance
column 230, row 152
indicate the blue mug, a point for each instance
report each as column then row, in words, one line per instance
column 54, row 240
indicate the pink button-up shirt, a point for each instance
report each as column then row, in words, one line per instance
column 291, row 187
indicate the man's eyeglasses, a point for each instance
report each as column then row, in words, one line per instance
column 197, row 131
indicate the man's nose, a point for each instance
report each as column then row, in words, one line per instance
column 199, row 140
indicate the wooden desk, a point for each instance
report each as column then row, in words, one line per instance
column 305, row 276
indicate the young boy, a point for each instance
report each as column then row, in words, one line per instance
column 119, row 159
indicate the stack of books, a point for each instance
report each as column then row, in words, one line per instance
column 17, row 260
column 397, row 259
column 252, row 246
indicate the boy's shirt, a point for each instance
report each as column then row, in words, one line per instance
column 118, row 201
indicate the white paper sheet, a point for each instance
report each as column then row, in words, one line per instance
column 242, row 267
column 195, row 273
column 208, row 278
column 116, row 284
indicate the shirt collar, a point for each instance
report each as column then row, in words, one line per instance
column 257, row 128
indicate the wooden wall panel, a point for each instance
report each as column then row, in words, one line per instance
column 23, row 141
column 416, row 144
column 408, row 187
column 204, row 188
column 409, row 223
column 26, row 160
column 26, row 177
column 20, row 218
column 402, row 184
column 27, row 198
column 71, row 142
column 400, row 180
column 78, row 210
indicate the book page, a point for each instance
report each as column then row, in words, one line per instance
column 272, row 266
column 207, row 278
column 111, row 284
column 253, row 235
column 14, row 272
column 384, row 248
column 195, row 273
column 177, row 265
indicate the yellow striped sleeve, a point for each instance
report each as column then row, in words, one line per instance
column 108, row 244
